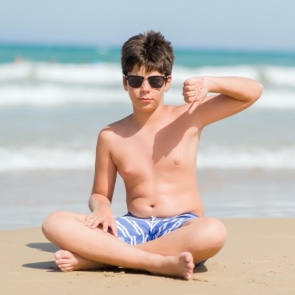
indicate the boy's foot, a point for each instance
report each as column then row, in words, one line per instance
column 69, row 261
column 181, row 265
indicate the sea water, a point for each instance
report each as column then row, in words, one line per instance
column 54, row 100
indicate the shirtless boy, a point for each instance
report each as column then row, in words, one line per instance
column 154, row 149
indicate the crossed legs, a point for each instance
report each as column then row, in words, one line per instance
column 86, row 248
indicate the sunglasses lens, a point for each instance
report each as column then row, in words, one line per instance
column 156, row 81
column 135, row 81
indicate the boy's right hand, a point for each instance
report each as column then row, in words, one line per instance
column 194, row 91
column 102, row 218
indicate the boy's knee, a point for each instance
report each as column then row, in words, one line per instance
column 217, row 233
column 51, row 222
column 211, row 233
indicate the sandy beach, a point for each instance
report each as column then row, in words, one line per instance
column 258, row 258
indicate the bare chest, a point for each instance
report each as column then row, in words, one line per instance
column 145, row 155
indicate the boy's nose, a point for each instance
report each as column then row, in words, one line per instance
column 145, row 85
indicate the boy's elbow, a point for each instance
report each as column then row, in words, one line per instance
column 260, row 90
column 257, row 91
column 90, row 204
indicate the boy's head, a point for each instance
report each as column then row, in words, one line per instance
column 150, row 50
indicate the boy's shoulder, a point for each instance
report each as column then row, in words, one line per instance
column 122, row 123
column 116, row 127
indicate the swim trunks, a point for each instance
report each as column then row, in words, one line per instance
column 134, row 230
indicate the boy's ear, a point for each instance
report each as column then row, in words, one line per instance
column 124, row 83
column 168, row 83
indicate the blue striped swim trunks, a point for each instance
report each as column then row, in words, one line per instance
column 134, row 230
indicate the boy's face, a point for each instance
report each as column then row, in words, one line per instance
column 146, row 97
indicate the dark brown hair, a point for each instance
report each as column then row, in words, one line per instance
column 150, row 50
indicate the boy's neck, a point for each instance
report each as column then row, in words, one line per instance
column 150, row 119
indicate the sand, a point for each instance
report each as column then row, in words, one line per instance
column 258, row 258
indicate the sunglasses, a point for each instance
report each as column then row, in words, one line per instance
column 154, row 81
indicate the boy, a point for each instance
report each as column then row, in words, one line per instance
column 154, row 150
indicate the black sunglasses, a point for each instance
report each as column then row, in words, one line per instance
column 155, row 81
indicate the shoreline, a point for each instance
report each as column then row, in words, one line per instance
column 258, row 257
column 32, row 195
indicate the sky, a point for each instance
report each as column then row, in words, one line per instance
column 219, row 24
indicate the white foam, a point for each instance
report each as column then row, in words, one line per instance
column 50, row 84
column 110, row 73
column 277, row 99
column 65, row 73
column 222, row 157
column 57, row 94
column 279, row 76
column 54, row 94
column 41, row 158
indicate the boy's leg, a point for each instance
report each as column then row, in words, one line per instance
column 68, row 231
column 202, row 237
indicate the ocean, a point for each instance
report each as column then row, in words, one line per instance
column 55, row 99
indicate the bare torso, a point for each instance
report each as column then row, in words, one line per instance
column 155, row 148
column 158, row 164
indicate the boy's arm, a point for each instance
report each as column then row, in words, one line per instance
column 234, row 94
column 103, row 187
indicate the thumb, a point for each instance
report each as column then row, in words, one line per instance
column 193, row 106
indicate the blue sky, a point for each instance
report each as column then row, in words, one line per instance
column 231, row 24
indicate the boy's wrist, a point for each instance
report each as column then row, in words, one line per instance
column 207, row 83
column 211, row 83
column 98, row 201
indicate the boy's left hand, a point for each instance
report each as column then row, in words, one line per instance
column 194, row 92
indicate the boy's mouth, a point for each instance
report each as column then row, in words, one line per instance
column 145, row 99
